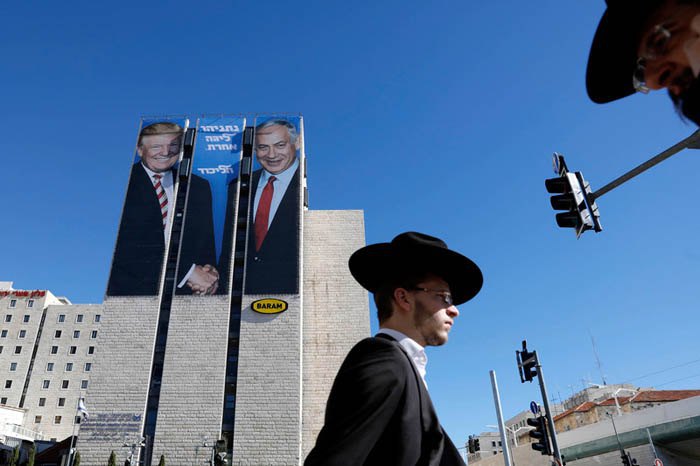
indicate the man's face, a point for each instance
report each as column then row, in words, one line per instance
column 274, row 149
column 666, row 47
column 433, row 317
column 159, row 152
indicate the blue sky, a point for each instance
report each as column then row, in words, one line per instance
column 437, row 117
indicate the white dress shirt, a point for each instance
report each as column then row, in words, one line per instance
column 280, row 185
column 415, row 351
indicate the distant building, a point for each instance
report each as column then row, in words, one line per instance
column 591, row 412
column 47, row 348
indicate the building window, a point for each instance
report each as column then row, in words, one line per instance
column 18, row 349
column 64, row 384
column 98, row 318
column 61, row 402
column 42, row 401
column 76, row 333
column 26, row 318
column 8, row 383
column 57, row 419
column 8, row 317
column 3, row 334
column 13, row 366
column 493, row 444
column 49, row 367
column 83, row 384
column 13, row 303
column 91, row 350
column 88, row 366
column 22, row 334
column 3, row 400
column 93, row 335
column 54, row 350
column 37, row 419
column 69, row 366
column 77, row 419
column 46, row 384
column 72, row 350
column 79, row 318
column 57, row 334
column 1, row 348
column 61, row 318
column 30, row 303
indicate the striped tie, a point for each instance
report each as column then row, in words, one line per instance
column 162, row 198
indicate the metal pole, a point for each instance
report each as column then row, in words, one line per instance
column 653, row 450
column 692, row 142
column 499, row 415
column 550, row 418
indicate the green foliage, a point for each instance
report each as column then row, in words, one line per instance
column 32, row 454
column 14, row 460
column 162, row 460
column 112, row 459
column 76, row 459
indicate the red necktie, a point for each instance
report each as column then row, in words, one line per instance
column 262, row 216
column 162, row 198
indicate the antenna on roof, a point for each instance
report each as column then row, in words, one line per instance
column 597, row 359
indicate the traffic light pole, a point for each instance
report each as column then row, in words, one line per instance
column 499, row 414
column 691, row 142
column 550, row 418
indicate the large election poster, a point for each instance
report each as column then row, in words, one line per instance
column 146, row 219
column 272, row 256
column 203, row 258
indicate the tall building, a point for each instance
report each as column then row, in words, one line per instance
column 229, row 306
column 47, row 349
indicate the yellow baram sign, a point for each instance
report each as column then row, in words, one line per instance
column 269, row 306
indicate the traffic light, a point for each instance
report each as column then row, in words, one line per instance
column 220, row 455
column 527, row 362
column 470, row 444
column 625, row 459
column 573, row 195
column 477, row 447
column 539, row 433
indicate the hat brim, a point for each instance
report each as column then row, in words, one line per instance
column 613, row 54
column 374, row 264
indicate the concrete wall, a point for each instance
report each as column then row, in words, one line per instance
column 116, row 397
column 192, row 391
column 336, row 309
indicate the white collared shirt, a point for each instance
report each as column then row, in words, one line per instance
column 167, row 183
column 280, row 185
column 415, row 351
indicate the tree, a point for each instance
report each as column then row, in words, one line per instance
column 76, row 459
column 162, row 460
column 112, row 459
column 32, row 454
column 14, row 461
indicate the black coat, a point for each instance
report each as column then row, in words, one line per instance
column 379, row 413
column 140, row 249
column 275, row 268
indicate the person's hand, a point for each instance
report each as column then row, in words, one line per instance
column 204, row 280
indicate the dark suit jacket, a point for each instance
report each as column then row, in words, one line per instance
column 379, row 413
column 140, row 249
column 275, row 268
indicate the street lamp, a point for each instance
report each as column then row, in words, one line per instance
column 617, row 403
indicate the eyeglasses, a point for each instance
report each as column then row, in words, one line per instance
column 445, row 295
column 655, row 46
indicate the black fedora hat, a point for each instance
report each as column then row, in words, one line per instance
column 411, row 252
column 613, row 54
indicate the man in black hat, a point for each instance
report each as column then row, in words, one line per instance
column 642, row 45
column 379, row 411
